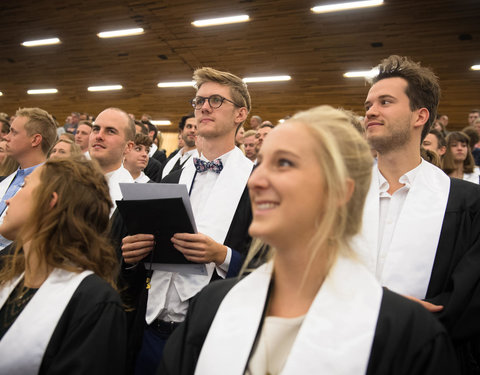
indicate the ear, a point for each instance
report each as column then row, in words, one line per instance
column 54, row 200
column 128, row 147
column 36, row 140
column 422, row 116
column 241, row 116
column 442, row 150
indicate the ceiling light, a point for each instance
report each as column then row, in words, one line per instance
column 42, row 91
column 105, row 88
column 176, row 84
column 267, row 79
column 345, row 6
column 119, row 33
column 161, row 122
column 1, row 93
column 475, row 67
column 40, row 42
column 220, row 21
column 362, row 73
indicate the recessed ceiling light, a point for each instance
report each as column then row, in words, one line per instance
column 345, row 6
column 221, row 21
column 161, row 122
column 266, row 79
column 362, row 73
column 176, row 84
column 1, row 93
column 475, row 67
column 40, row 42
column 119, row 33
column 42, row 91
column 105, row 88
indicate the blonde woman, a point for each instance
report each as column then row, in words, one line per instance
column 313, row 309
column 59, row 311
column 64, row 148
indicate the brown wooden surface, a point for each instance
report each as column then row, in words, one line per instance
column 283, row 37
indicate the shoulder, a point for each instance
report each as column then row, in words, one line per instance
column 94, row 290
column 463, row 195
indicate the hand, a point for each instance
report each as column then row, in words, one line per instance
column 199, row 248
column 137, row 247
column 429, row 306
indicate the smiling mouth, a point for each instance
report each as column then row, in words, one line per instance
column 265, row 205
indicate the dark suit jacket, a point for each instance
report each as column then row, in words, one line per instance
column 154, row 170
column 160, row 156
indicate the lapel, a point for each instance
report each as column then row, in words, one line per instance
column 170, row 164
column 340, row 324
column 409, row 261
column 33, row 328
column 6, row 183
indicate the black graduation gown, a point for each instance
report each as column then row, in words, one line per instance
column 455, row 278
column 154, row 170
column 407, row 341
column 90, row 337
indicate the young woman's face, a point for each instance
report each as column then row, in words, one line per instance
column 286, row 188
column 459, row 150
column 19, row 207
column 61, row 150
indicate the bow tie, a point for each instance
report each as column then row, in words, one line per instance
column 202, row 166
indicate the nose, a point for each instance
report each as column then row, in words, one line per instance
column 258, row 179
column 371, row 111
column 206, row 106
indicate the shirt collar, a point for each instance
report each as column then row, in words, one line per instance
column 407, row 179
column 27, row 171
column 223, row 157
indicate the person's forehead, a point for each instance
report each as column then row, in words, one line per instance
column 84, row 127
column 111, row 118
column 250, row 138
column 213, row 88
column 19, row 122
column 394, row 86
column 191, row 121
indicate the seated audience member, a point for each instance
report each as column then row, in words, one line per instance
column 112, row 135
column 3, row 151
column 8, row 165
column 136, row 158
column 4, row 127
column 261, row 134
column 188, row 133
column 64, row 148
column 67, row 137
column 255, row 122
column 438, row 126
column 155, row 152
column 239, row 137
column 82, row 136
column 266, row 122
column 458, row 160
column 217, row 182
column 57, row 289
column 249, row 143
column 473, row 116
column 475, row 145
column 314, row 308
column 154, row 168
column 32, row 134
column 435, row 141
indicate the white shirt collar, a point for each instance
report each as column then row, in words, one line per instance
column 407, row 179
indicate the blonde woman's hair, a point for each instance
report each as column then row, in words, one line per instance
column 73, row 234
column 75, row 149
column 342, row 154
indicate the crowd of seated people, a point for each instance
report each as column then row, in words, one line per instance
column 327, row 243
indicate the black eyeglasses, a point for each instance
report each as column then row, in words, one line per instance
column 215, row 101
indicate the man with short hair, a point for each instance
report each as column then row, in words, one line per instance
column 113, row 133
column 255, row 122
column 32, row 135
column 472, row 116
column 249, row 143
column 220, row 204
column 421, row 229
column 188, row 131
column 82, row 136
column 136, row 158
column 435, row 141
column 261, row 134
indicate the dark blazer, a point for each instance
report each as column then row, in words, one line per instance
column 160, row 156
column 154, row 170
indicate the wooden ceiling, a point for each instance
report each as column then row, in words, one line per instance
column 283, row 37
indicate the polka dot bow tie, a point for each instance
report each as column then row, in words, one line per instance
column 203, row 166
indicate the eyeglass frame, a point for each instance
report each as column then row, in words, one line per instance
column 207, row 98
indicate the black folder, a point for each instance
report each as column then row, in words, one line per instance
column 162, row 218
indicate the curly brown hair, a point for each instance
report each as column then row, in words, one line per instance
column 73, row 234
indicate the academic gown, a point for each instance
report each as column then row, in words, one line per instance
column 90, row 336
column 154, row 170
column 407, row 340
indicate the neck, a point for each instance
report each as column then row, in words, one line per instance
column 186, row 149
column 32, row 159
column 110, row 168
column 293, row 290
column 36, row 269
column 458, row 172
column 396, row 163
column 212, row 148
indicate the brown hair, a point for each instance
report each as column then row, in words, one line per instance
column 143, row 139
column 40, row 122
column 238, row 88
column 423, row 89
column 73, row 234
column 448, row 160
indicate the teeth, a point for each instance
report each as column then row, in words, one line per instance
column 266, row 206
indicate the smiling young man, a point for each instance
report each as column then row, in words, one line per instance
column 421, row 229
column 32, row 134
column 188, row 133
column 112, row 135
column 221, row 207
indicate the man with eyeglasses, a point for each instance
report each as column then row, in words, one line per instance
column 221, row 207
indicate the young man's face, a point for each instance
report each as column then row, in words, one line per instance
column 388, row 118
column 249, row 145
column 82, row 136
column 189, row 132
column 18, row 141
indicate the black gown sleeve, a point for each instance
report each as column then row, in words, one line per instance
column 90, row 337
column 409, row 340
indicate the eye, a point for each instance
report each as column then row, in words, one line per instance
column 284, row 163
column 385, row 101
column 198, row 101
column 216, row 99
column 138, row 149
